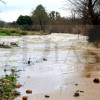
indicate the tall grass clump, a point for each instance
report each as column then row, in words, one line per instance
column 5, row 30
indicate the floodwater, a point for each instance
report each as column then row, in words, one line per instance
column 70, row 60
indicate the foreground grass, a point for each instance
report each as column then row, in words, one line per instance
column 7, row 87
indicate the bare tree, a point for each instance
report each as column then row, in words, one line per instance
column 86, row 9
column 89, row 12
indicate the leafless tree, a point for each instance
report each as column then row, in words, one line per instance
column 86, row 9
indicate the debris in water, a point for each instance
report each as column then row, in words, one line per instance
column 29, row 91
column 14, row 44
column 44, row 59
column 47, row 96
column 29, row 61
column 82, row 91
column 76, row 84
column 4, row 46
column 76, row 94
column 96, row 80
column 78, row 91
column 5, row 70
column 25, row 98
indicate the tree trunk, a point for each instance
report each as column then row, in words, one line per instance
column 91, row 11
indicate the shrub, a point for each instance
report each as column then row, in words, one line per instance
column 5, row 30
column 41, row 32
column 15, row 31
column 8, row 86
column 23, row 33
column 12, row 31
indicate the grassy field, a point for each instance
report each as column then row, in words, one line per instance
column 3, row 34
column 18, row 32
column 12, row 32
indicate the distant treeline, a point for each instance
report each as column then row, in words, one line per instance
column 51, row 22
column 40, row 20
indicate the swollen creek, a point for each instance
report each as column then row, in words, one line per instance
column 70, row 60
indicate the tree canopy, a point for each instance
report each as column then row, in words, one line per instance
column 24, row 20
column 40, row 16
column 54, row 15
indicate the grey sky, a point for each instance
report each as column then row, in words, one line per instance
column 13, row 8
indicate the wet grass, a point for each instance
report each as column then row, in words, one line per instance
column 4, row 34
column 8, row 86
column 12, row 32
column 18, row 32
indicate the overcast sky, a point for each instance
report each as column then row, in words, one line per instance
column 13, row 8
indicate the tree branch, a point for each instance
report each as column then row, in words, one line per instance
column 95, row 2
column 2, row 1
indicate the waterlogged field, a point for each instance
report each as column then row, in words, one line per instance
column 72, row 64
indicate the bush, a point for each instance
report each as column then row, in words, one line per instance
column 5, row 30
column 41, row 32
column 8, row 86
column 23, row 33
column 94, row 34
column 13, row 31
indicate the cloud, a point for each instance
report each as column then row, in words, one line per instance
column 13, row 15
column 14, row 8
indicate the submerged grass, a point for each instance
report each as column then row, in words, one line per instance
column 8, row 86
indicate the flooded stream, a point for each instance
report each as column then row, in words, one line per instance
column 70, row 60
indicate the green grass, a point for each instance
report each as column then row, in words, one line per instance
column 12, row 32
column 18, row 32
column 4, row 34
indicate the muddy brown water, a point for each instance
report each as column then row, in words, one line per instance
column 70, row 60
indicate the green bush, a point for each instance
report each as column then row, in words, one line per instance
column 23, row 33
column 12, row 31
column 15, row 31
